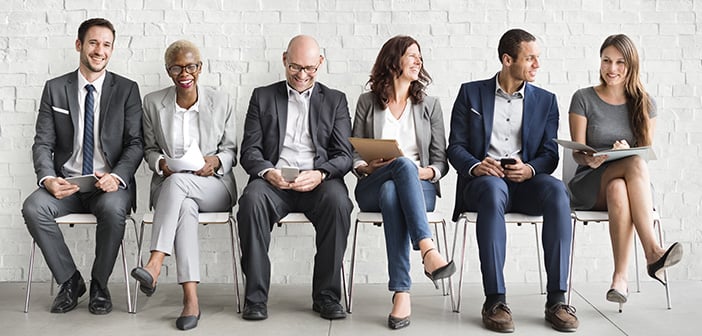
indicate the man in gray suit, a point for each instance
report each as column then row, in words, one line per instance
column 296, row 123
column 89, row 122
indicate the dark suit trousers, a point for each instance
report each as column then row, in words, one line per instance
column 41, row 208
column 545, row 195
column 327, row 206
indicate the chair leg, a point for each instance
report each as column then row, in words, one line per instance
column 140, row 263
column 457, row 304
column 29, row 276
column 349, row 305
column 234, row 262
column 343, row 285
column 538, row 258
column 441, row 250
column 665, row 272
column 126, row 279
column 636, row 264
column 570, row 264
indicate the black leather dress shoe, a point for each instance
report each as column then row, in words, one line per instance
column 100, row 300
column 671, row 257
column 67, row 298
column 329, row 309
column 187, row 322
column 255, row 311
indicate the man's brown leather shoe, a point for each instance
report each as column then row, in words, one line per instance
column 562, row 317
column 498, row 318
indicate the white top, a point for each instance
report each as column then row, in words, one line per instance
column 403, row 131
column 298, row 149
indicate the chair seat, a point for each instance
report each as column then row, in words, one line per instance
column 600, row 216
column 377, row 217
column 77, row 218
column 294, row 217
column 509, row 217
column 203, row 218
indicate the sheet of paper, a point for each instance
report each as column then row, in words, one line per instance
column 645, row 152
column 191, row 161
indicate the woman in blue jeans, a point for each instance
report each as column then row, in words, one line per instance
column 403, row 189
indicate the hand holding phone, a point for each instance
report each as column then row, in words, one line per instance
column 507, row 161
column 289, row 173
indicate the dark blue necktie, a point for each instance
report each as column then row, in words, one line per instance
column 88, row 143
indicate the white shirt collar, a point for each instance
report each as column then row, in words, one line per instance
column 82, row 82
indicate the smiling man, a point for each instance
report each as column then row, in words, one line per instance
column 501, row 146
column 303, row 126
column 89, row 123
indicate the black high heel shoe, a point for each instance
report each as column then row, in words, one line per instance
column 442, row 272
column 397, row 322
column 616, row 296
column 671, row 257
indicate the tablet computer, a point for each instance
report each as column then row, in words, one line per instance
column 86, row 183
column 373, row 149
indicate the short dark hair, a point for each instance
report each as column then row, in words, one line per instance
column 509, row 42
column 87, row 24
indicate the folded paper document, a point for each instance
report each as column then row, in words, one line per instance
column 191, row 161
column 373, row 149
column 645, row 152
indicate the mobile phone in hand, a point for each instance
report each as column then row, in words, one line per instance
column 289, row 173
column 507, row 161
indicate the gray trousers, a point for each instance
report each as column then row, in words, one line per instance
column 40, row 210
column 177, row 202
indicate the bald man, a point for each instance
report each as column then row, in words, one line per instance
column 303, row 125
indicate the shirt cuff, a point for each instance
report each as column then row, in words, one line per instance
column 122, row 185
column 263, row 172
column 41, row 182
column 470, row 171
column 437, row 175
column 157, row 167
column 533, row 172
column 220, row 170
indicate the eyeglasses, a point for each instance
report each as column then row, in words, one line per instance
column 310, row 69
column 175, row 70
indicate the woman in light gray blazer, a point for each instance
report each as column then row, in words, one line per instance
column 402, row 188
column 190, row 145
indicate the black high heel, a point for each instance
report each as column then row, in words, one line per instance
column 671, row 257
column 442, row 272
column 397, row 322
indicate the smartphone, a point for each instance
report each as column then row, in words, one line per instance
column 289, row 173
column 507, row 161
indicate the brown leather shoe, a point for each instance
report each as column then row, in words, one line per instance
column 562, row 317
column 498, row 318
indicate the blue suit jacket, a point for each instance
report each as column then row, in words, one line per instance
column 471, row 128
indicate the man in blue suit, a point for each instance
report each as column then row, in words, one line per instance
column 500, row 118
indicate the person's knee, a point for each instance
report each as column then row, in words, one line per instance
column 616, row 192
column 388, row 194
column 35, row 209
column 492, row 192
column 404, row 163
column 188, row 208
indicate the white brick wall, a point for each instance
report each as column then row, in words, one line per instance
column 242, row 42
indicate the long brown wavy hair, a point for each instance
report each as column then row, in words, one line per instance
column 637, row 99
column 387, row 68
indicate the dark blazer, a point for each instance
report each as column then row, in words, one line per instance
column 428, row 126
column 120, row 127
column 264, row 129
column 217, row 131
column 471, row 128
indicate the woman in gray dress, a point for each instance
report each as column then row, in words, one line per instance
column 618, row 113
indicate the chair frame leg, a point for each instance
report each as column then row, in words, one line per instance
column 570, row 264
column 456, row 303
column 29, row 276
column 139, row 263
column 349, row 304
column 668, row 300
column 235, row 237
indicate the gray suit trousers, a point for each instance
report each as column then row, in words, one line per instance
column 40, row 210
column 177, row 201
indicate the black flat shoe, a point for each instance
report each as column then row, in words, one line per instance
column 442, row 272
column 146, row 281
column 395, row 323
column 671, row 257
column 616, row 296
column 187, row 322
column 67, row 298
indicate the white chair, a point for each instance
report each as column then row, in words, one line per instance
column 300, row 218
column 72, row 220
column 376, row 218
column 204, row 218
column 586, row 217
column 510, row 218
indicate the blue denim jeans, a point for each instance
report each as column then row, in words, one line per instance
column 396, row 191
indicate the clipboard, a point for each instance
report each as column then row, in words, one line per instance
column 646, row 152
column 86, row 183
column 373, row 149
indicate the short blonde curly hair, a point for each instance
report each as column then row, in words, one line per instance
column 180, row 46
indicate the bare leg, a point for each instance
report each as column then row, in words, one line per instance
column 153, row 266
column 433, row 259
column 621, row 231
column 191, row 305
column 402, row 305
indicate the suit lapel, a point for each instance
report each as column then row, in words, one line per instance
column 378, row 120
column 165, row 118
column 105, row 97
column 281, row 105
column 420, row 119
column 73, row 104
column 205, row 115
column 528, row 112
column 316, row 100
column 488, row 105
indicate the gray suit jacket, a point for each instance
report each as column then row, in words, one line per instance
column 120, row 127
column 264, row 129
column 217, row 131
column 428, row 126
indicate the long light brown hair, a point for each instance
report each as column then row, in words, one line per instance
column 637, row 99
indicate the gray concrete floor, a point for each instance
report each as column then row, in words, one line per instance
column 290, row 312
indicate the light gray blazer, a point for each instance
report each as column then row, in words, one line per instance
column 217, row 131
column 428, row 126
